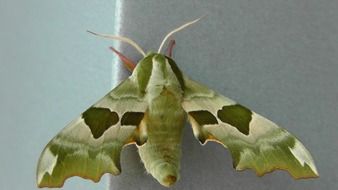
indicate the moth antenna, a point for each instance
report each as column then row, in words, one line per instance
column 176, row 30
column 128, row 63
column 170, row 48
column 122, row 39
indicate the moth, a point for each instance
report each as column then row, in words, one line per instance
column 150, row 109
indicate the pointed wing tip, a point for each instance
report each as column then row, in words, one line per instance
column 307, row 177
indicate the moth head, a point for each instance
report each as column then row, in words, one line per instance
column 136, row 46
column 157, row 68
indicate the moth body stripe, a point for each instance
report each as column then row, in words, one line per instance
column 143, row 72
column 177, row 72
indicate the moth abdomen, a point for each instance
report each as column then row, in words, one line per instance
column 162, row 161
column 161, row 153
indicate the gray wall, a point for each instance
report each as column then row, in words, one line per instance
column 50, row 71
column 279, row 58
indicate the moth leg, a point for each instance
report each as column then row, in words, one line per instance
column 170, row 48
column 128, row 63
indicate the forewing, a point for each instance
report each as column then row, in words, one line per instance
column 90, row 145
column 254, row 141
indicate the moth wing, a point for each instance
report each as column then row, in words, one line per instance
column 253, row 141
column 91, row 144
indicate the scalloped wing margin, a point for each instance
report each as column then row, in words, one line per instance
column 91, row 145
column 253, row 141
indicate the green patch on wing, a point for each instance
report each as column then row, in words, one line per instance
column 203, row 117
column 126, row 89
column 99, row 120
column 237, row 116
column 132, row 118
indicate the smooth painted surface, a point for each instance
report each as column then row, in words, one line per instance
column 51, row 70
column 277, row 57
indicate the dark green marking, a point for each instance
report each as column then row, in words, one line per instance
column 160, row 59
column 177, row 72
column 203, row 117
column 237, row 116
column 99, row 120
column 132, row 118
column 144, row 71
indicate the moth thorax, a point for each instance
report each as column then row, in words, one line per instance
column 162, row 79
column 158, row 73
column 159, row 64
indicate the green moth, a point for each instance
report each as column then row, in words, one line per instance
column 150, row 109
